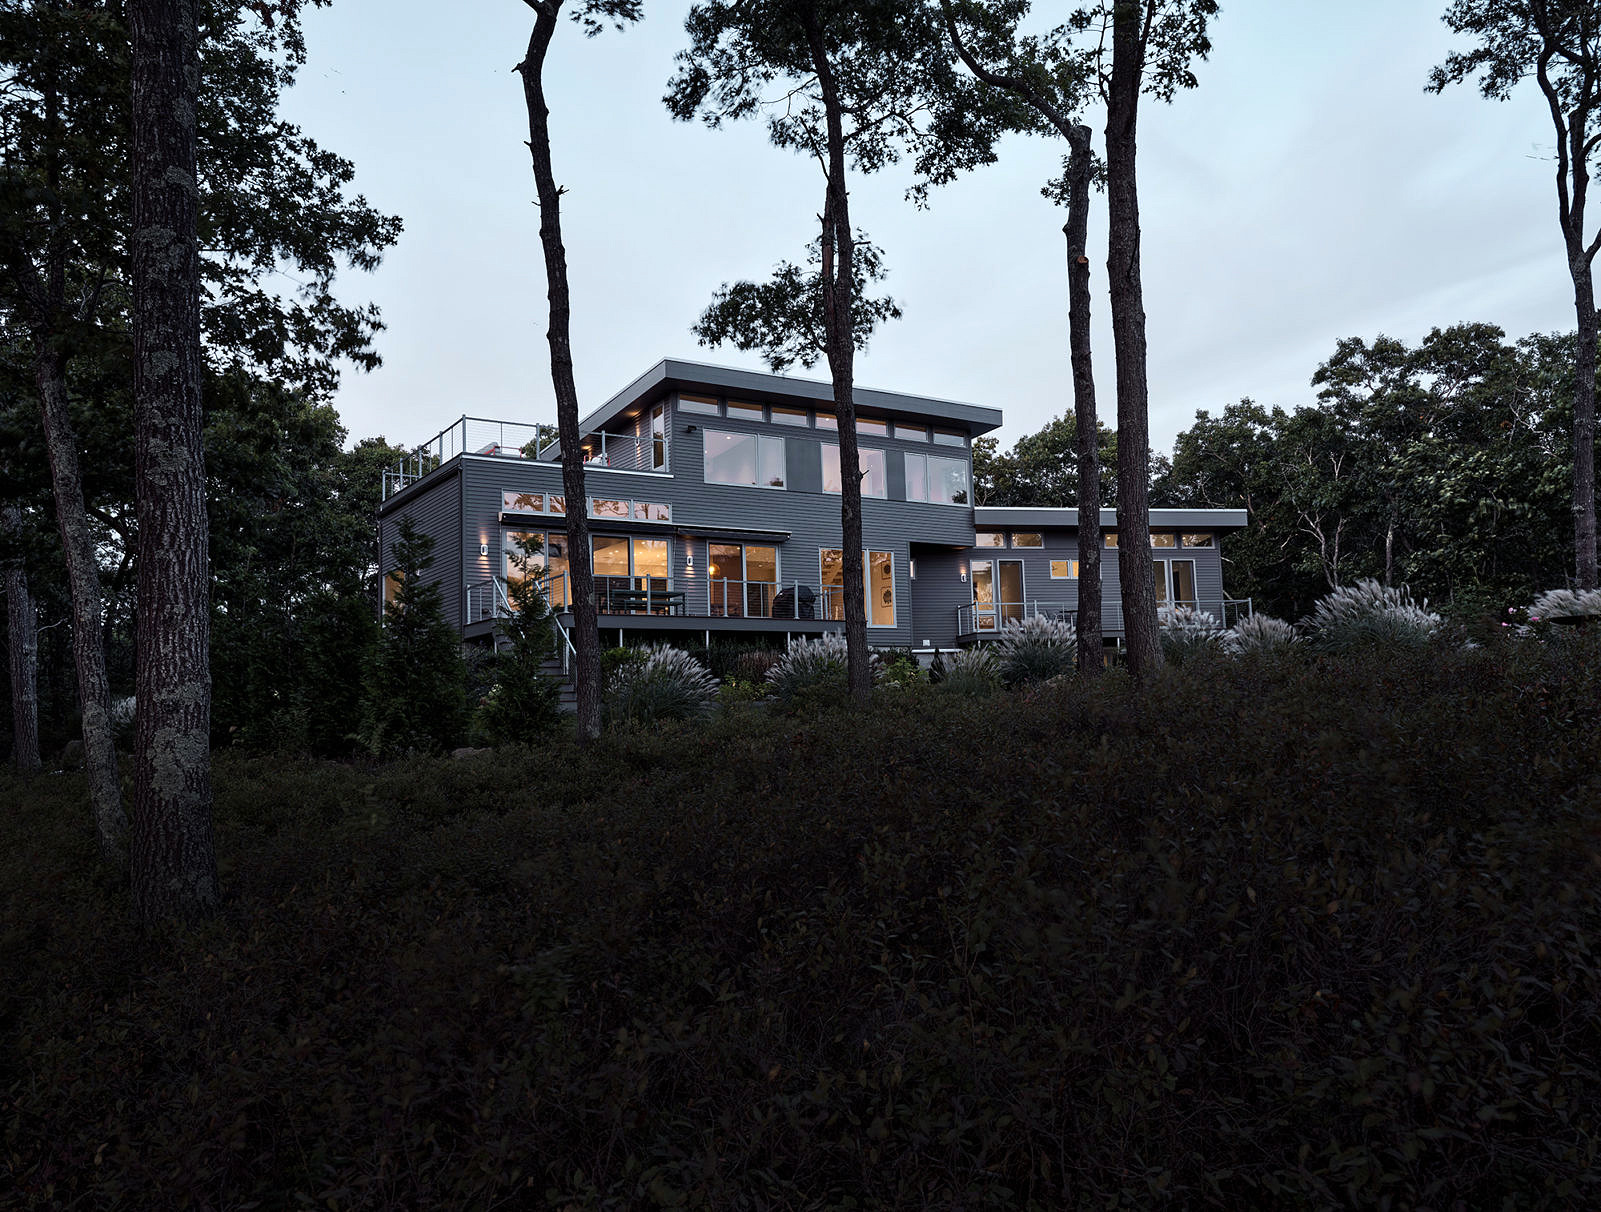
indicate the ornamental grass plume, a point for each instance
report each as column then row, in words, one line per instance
column 972, row 671
column 1035, row 650
column 1369, row 615
column 666, row 683
column 1187, row 632
column 1260, row 633
column 1565, row 604
column 816, row 667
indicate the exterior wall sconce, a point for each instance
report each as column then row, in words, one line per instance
column 911, row 569
column 483, row 549
column 964, row 572
column 691, row 428
column 689, row 559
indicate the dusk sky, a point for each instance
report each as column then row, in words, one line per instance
column 1308, row 190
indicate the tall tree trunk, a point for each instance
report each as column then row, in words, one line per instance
column 586, row 632
column 839, row 305
column 1135, row 568
column 174, row 865
column 22, row 634
column 83, row 579
column 1091, row 658
column 1584, row 537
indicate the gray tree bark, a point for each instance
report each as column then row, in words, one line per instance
column 1135, row 570
column 839, row 304
column 1091, row 660
column 173, row 872
column 83, row 580
column 22, row 636
column 586, row 632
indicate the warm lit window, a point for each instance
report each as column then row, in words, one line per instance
column 1064, row 570
column 879, row 567
column 744, row 458
column 874, row 481
column 989, row 538
column 743, row 581
column 600, row 507
column 610, row 555
column 522, row 502
column 1111, row 538
column 1027, row 539
column 789, row 416
column 556, row 504
column 1164, row 540
column 698, row 404
column 650, row 511
column 550, row 561
column 1197, row 540
column 392, row 584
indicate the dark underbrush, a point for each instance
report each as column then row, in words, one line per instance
column 1310, row 934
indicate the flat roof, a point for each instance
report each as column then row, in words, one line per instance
column 1029, row 515
column 675, row 374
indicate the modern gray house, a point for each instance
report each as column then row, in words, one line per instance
column 714, row 510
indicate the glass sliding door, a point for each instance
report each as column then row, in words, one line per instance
column 1011, row 587
column 879, row 576
column 1175, row 584
column 997, row 593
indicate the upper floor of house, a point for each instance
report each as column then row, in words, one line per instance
column 727, row 439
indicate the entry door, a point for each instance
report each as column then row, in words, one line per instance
column 997, row 593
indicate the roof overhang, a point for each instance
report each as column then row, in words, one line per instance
column 673, row 374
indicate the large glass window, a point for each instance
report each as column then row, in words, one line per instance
column 551, row 560
column 744, row 458
column 658, row 437
column 879, row 567
column 874, row 482
column 611, row 555
column 932, row 478
column 743, row 581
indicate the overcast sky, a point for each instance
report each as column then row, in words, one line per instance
column 1308, row 190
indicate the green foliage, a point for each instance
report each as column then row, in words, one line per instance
column 1035, row 649
column 662, row 683
column 523, row 704
column 415, row 696
column 1041, row 469
column 1258, row 941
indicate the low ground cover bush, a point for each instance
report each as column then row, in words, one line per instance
column 1311, row 933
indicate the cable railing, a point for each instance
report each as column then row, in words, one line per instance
column 516, row 440
column 990, row 618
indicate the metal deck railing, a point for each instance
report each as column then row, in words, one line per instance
column 516, row 440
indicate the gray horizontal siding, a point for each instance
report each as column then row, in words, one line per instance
column 435, row 511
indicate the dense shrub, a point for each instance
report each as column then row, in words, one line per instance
column 664, row 683
column 1368, row 615
column 1301, row 934
column 1035, row 650
column 522, row 704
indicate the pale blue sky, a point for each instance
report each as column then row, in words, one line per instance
column 1309, row 190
